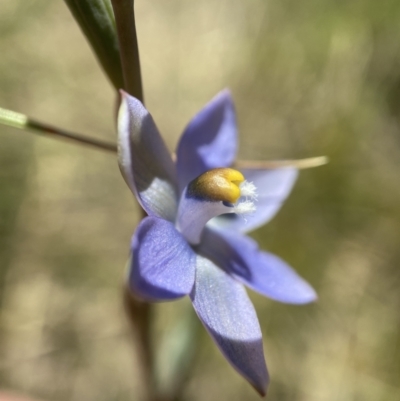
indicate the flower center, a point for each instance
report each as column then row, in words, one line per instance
column 219, row 184
column 217, row 191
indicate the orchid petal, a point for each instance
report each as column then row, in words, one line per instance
column 163, row 264
column 194, row 213
column 229, row 316
column 261, row 271
column 209, row 141
column 144, row 160
column 273, row 187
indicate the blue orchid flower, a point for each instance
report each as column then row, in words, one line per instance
column 193, row 241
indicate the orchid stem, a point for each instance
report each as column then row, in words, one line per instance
column 139, row 313
column 96, row 20
column 21, row 121
column 128, row 46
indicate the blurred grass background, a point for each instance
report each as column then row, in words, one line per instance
column 310, row 78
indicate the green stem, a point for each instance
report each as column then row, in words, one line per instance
column 21, row 121
column 96, row 20
column 140, row 314
column 126, row 30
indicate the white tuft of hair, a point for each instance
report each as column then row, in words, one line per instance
column 245, row 207
column 248, row 190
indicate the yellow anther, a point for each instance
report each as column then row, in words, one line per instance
column 219, row 184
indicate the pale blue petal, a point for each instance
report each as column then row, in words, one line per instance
column 162, row 264
column 194, row 213
column 229, row 316
column 144, row 160
column 261, row 271
column 273, row 187
column 209, row 141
